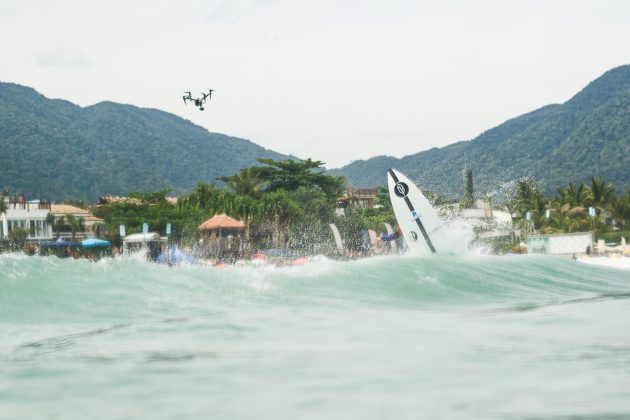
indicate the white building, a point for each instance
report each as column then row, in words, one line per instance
column 23, row 214
column 560, row 243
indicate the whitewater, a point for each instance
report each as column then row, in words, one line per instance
column 394, row 337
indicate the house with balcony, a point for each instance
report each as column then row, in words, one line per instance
column 31, row 215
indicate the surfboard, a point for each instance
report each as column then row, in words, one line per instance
column 417, row 218
column 337, row 237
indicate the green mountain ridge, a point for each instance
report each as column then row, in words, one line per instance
column 589, row 135
column 53, row 149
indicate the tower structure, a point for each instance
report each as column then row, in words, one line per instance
column 469, row 199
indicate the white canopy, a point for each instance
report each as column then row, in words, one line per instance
column 142, row 237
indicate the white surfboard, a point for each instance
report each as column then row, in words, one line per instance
column 418, row 220
column 337, row 236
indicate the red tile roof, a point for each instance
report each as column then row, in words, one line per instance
column 221, row 221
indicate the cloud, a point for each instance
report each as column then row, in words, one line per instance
column 57, row 60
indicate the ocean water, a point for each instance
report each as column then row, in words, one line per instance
column 381, row 338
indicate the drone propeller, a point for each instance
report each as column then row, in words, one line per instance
column 207, row 95
column 188, row 97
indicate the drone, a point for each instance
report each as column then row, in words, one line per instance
column 198, row 101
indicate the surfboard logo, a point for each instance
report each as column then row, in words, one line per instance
column 413, row 235
column 401, row 189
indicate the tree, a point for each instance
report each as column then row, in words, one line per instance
column 290, row 175
column 279, row 208
column 620, row 210
column 245, row 182
column 568, row 219
column 599, row 194
column 151, row 197
column 76, row 224
column 58, row 224
column 574, row 196
column 247, row 209
column 203, row 197
column 528, row 197
column 18, row 238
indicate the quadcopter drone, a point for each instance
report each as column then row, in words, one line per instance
column 198, row 101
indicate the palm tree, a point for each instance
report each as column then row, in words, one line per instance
column 246, row 182
column 278, row 207
column 247, row 209
column 569, row 219
column 76, row 225
column 203, row 197
column 573, row 195
column 59, row 223
column 600, row 194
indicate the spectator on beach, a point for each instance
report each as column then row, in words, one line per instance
column 393, row 236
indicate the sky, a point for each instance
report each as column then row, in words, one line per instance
column 332, row 80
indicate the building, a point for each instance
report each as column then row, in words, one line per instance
column 30, row 215
column 561, row 243
column 88, row 220
column 360, row 197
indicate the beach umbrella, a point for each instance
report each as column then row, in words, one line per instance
column 94, row 242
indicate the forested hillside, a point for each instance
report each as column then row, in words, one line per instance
column 53, row 149
column 587, row 136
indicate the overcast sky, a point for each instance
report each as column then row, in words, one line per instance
column 332, row 80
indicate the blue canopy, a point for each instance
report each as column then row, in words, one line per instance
column 59, row 243
column 94, row 242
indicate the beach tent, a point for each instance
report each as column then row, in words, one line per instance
column 94, row 242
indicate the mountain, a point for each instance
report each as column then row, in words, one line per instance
column 53, row 149
column 587, row 136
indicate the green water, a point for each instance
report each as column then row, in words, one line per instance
column 381, row 338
